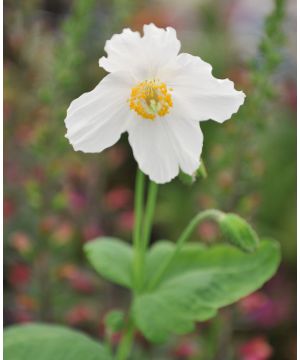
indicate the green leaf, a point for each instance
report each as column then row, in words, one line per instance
column 238, row 232
column 49, row 342
column 198, row 283
column 111, row 258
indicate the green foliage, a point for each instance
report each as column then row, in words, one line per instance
column 112, row 258
column 273, row 38
column 238, row 232
column 198, row 283
column 49, row 342
column 195, row 284
column 268, row 60
column 70, row 56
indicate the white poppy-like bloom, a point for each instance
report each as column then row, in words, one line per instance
column 158, row 96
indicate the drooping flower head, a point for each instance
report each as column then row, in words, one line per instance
column 158, row 96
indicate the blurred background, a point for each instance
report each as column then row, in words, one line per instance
column 56, row 199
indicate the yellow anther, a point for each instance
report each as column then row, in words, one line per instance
column 150, row 99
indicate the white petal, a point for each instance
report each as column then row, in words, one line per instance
column 123, row 51
column 164, row 145
column 161, row 47
column 197, row 94
column 143, row 57
column 97, row 119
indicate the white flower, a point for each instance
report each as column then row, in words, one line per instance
column 158, row 96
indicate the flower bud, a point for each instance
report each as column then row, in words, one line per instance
column 238, row 232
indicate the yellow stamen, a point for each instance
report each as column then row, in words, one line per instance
column 150, row 98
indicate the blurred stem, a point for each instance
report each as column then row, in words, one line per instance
column 212, row 339
column 212, row 214
column 126, row 342
column 137, row 232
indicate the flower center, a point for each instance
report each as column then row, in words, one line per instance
column 150, row 98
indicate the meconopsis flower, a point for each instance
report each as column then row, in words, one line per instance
column 158, row 96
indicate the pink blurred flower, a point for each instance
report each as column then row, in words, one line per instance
column 126, row 221
column 255, row 349
column 39, row 173
column 24, row 134
column 25, row 302
column 48, row 223
column 253, row 302
column 78, row 279
column 13, row 174
column 225, row 179
column 8, row 208
column 116, row 155
column 82, row 283
column 208, row 231
column 20, row 241
column 79, row 314
column 21, row 316
column 282, row 292
column 186, row 349
column 7, row 110
column 116, row 338
column 118, row 198
column 206, row 201
column 260, row 309
column 19, row 274
column 63, row 233
column 290, row 95
column 91, row 231
column 77, row 200
column 66, row 271
column 273, row 306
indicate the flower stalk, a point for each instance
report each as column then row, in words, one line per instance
column 137, row 232
column 143, row 221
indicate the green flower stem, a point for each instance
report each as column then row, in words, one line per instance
column 138, row 206
column 149, row 213
column 212, row 214
column 141, row 237
column 137, row 232
column 147, row 227
column 126, row 342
